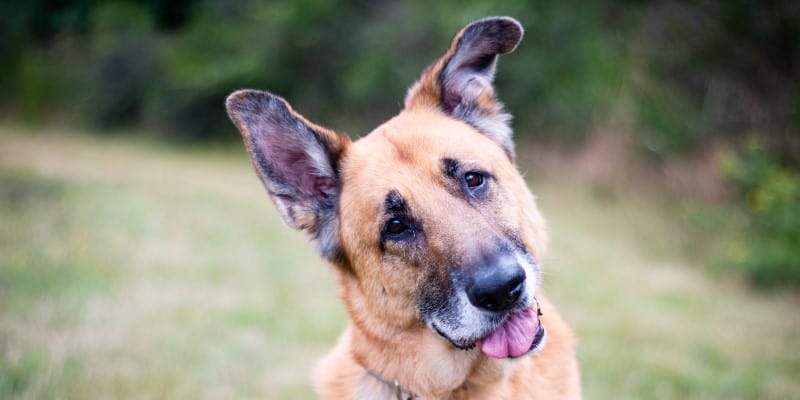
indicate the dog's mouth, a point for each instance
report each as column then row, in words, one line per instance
column 520, row 333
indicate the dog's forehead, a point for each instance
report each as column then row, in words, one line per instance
column 416, row 142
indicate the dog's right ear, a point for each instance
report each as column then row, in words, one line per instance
column 460, row 83
column 296, row 160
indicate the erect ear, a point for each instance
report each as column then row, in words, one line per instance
column 296, row 160
column 460, row 82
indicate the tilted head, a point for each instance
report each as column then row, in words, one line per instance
column 427, row 220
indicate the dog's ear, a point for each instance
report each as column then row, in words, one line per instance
column 460, row 82
column 296, row 160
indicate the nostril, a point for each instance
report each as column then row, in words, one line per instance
column 512, row 292
column 515, row 292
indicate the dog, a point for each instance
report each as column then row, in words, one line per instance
column 433, row 235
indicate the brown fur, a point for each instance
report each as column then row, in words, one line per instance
column 385, row 284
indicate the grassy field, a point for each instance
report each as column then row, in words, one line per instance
column 131, row 270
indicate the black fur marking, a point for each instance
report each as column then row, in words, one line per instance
column 395, row 204
column 450, row 167
column 498, row 35
column 397, row 208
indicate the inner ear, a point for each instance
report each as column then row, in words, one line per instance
column 460, row 83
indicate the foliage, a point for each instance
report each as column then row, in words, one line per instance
column 719, row 70
column 768, row 247
column 343, row 63
column 682, row 72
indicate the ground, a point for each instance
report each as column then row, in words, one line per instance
column 135, row 270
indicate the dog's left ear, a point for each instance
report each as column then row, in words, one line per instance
column 460, row 82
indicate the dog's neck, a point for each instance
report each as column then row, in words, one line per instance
column 468, row 372
column 398, row 353
column 398, row 392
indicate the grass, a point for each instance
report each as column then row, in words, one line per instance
column 133, row 270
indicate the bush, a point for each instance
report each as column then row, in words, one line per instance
column 676, row 74
column 347, row 64
column 710, row 70
column 769, row 241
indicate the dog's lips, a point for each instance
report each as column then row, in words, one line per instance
column 518, row 334
column 515, row 337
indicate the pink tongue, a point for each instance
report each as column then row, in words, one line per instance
column 514, row 337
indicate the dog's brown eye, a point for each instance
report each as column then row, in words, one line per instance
column 473, row 179
column 396, row 227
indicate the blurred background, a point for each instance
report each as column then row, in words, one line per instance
column 140, row 257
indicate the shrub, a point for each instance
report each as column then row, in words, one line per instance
column 769, row 241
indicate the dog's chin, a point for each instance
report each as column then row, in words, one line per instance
column 461, row 344
column 479, row 340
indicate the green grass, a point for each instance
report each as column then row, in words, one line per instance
column 132, row 270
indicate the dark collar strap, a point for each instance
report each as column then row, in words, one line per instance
column 398, row 390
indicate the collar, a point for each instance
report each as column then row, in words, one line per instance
column 399, row 392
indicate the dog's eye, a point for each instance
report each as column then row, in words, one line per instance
column 473, row 179
column 396, row 227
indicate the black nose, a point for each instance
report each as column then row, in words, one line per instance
column 496, row 287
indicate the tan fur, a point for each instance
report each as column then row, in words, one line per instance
column 337, row 191
column 406, row 149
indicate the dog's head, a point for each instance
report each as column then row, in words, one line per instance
column 427, row 218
